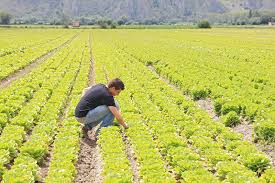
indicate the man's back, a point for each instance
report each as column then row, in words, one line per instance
column 94, row 97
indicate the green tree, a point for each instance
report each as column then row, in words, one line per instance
column 103, row 24
column 265, row 19
column 65, row 20
column 254, row 20
column 5, row 18
column 84, row 21
column 250, row 13
column 123, row 20
column 109, row 22
column 113, row 25
column 204, row 24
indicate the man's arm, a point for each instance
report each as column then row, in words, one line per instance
column 118, row 116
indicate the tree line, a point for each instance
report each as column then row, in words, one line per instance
column 249, row 17
column 5, row 18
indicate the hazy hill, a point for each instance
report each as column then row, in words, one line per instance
column 135, row 10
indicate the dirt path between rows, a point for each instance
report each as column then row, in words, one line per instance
column 89, row 162
column 89, row 165
column 27, row 69
column 44, row 166
column 244, row 128
column 205, row 104
column 131, row 157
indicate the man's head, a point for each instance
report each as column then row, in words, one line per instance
column 115, row 86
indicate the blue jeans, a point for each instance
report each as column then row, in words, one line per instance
column 98, row 114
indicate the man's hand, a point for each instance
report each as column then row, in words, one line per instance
column 118, row 116
column 126, row 126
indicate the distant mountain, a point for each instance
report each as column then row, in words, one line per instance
column 136, row 10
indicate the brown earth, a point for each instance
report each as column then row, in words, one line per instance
column 89, row 165
column 207, row 105
column 246, row 128
column 132, row 159
column 44, row 166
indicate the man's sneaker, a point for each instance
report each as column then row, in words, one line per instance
column 85, row 132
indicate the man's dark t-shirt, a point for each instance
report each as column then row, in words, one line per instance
column 94, row 97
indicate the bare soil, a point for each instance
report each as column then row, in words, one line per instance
column 27, row 69
column 89, row 165
column 246, row 128
column 269, row 150
column 44, row 166
column 131, row 157
column 205, row 104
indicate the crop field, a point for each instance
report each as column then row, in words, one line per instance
column 199, row 104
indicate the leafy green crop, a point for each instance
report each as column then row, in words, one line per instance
column 45, row 121
column 231, row 119
column 188, row 139
column 171, row 139
column 113, row 150
column 233, row 68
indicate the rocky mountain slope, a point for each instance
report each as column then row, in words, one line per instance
column 133, row 9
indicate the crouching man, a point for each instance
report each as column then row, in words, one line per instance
column 98, row 105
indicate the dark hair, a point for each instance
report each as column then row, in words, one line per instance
column 117, row 83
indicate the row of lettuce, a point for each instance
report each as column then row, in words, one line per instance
column 14, row 97
column 28, row 134
column 235, row 73
column 66, row 145
column 10, row 63
column 14, row 40
column 112, row 141
column 172, row 139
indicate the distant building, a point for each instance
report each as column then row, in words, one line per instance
column 76, row 24
column 271, row 23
